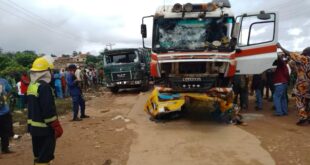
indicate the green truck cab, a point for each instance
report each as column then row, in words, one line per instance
column 127, row 68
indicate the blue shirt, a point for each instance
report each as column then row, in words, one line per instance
column 5, row 88
column 57, row 78
column 67, row 75
column 73, row 86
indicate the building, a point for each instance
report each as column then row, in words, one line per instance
column 64, row 61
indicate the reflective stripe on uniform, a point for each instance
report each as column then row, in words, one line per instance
column 33, row 89
column 36, row 124
column 50, row 119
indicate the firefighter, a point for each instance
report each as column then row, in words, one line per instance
column 43, row 124
column 76, row 94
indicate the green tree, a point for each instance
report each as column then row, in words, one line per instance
column 25, row 58
column 90, row 59
column 12, row 63
column 5, row 61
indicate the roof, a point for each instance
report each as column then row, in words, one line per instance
column 114, row 51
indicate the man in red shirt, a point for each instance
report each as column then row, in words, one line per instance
column 280, row 81
column 23, row 87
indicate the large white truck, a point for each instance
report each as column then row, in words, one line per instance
column 198, row 48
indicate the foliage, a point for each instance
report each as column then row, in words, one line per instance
column 25, row 58
column 94, row 61
column 17, row 62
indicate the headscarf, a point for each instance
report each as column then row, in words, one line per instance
column 43, row 76
column 306, row 52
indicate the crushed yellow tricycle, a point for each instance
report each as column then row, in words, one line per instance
column 164, row 101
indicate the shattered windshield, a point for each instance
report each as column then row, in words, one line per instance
column 190, row 34
column 128, row 57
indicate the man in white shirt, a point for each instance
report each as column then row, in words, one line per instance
column 78, row 74
column 21, row 96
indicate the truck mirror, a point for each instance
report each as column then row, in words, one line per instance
column 263, row 16
column 143, row 31
column 236, row 30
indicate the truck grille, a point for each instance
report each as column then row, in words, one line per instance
column 193, row 84
column 121, row 76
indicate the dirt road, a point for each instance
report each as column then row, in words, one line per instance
column 119, row 132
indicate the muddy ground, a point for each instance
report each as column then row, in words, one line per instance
column 119, row 133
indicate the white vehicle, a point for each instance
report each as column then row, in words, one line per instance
column 198, row 48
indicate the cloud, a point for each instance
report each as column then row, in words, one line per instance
column 294, row 31
column 63, row 26
column 297, row 42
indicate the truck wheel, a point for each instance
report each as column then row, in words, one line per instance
column 114, row 89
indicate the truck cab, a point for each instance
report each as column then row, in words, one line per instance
column 126, row 68
column 198, row 48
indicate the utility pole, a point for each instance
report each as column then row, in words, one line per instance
column 110, row 45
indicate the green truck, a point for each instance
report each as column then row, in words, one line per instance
column 127, row 68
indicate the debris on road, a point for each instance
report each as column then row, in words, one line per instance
column 121, row 117
column 119, row 129
column 15, row 137
column 104, row 111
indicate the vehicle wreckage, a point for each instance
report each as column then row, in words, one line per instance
column 198, row 48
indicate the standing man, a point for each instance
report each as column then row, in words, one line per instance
column 302, row 86
column 43, row 124
column 24, row 83
column 258, row 86
column 67, row 74
column 269, row 84
column 79, row 76
column 240, row 88
column 280, row 81
column 76, row 94
column 6, row 127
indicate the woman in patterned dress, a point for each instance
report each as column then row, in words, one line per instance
column 302, row 86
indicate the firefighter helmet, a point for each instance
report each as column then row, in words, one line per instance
column 41, row 64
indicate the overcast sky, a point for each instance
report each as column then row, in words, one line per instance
column 62, row 26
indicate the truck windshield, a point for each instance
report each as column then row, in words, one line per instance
column 117, row 58
column 190, row 34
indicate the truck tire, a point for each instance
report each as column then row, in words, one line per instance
column 114, row 89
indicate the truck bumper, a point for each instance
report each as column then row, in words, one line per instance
column 125, row 84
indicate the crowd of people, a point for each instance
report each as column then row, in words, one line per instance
column 291, row 69
column 272, row 85
column 88, row 78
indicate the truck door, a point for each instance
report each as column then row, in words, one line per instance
column 257, row 36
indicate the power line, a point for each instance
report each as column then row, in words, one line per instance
column 39, row 18
column 29, row 20
column 32, row 14
column 29, row 16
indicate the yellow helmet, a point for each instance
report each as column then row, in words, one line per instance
column 41, row 64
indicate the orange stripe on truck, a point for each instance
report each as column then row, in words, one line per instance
column 256, row 51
